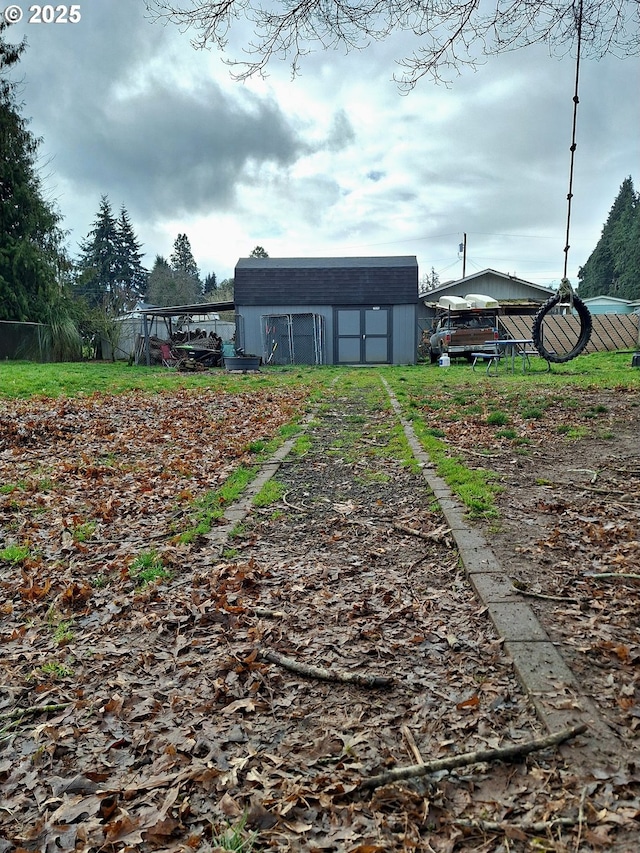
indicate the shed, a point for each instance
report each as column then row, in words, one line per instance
column 328, row 310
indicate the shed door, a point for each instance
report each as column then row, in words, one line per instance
column 363, row 335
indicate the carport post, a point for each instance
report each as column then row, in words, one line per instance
column 147, row 350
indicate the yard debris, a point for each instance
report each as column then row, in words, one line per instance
column 506, row 753
column 311, row 671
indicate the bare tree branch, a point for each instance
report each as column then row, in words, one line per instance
column 452, row 33
column 505, row 753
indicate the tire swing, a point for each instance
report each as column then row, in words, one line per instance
column 565, row 294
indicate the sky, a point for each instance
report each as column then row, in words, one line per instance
column 336, row 162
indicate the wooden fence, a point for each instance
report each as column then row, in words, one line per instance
column 611, row 332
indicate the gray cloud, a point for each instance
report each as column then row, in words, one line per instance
column 117, row 122
column 174, row 152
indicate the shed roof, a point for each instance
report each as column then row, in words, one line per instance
column 328, row 263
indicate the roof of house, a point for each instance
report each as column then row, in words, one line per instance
column 468, row 279
column 606, row 299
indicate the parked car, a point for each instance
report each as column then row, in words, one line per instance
column 463, row 326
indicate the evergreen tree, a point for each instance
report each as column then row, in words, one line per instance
column 258, row 252
column 613, row 268
column 210, row 284
column 225, row 290
column 167, row 286
column 32, row 259
column 182, row 259
column 100, row 262
column 429, row 281
column 132, row 276
column 111, row 273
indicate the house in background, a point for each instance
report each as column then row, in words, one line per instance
column 328, row 310
column 518, row 298
column 514, row 294
column 612, row 305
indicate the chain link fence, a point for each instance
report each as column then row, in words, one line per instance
column 293, row 338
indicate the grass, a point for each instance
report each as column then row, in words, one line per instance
column 14, row 554
column 147, row 568
column 270, row 493
column 235, row 837
column 63, row 633
column 211, row 506
column 425, row 393
column 84, row 532
column 55, row 670
column 24, row 379
column 428, row 394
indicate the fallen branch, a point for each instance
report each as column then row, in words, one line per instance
column 293, row 506
column 311, row 671
column 607, row 575
column 17, row 713
column 451, row 762
column 524, row 591
column 434, row 536
column 413, row 746
column 538, row 826
column 267, row 613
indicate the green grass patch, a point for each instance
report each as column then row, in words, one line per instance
column 9, row 488
column 302, row 445
column 23, row 379
column 235, row 837
column 270, row 493
column 211, row 506
column 56, row 670
column 63, row 633
column 14, row 554
column 84, row 532
column 147, row 568
column 498, row 419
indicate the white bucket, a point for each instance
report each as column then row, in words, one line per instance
column 444, row 361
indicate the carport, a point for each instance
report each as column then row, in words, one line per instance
column 164, row 323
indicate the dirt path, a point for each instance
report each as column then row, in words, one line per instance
column 360, row 592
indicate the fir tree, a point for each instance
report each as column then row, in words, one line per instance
column 167, row 286
column 32, row 258
column 132, row 276
column 613, row 268
column 210, row 284
column 100, row 262
column 182, row 259
column 112, row 276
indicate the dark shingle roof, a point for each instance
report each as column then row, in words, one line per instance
column 328, row 263
column 326, row 281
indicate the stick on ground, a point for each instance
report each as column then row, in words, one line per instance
column 310, row 671
column 481, row 755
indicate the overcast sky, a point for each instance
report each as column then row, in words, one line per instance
column 335, row 162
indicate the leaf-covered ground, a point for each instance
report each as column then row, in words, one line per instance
column 569, row 529
column 165, row 720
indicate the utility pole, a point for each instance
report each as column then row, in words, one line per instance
column 463, row 249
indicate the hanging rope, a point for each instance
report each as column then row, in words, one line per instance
column 565, row 294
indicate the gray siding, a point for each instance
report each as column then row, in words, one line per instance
column 403, row 332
